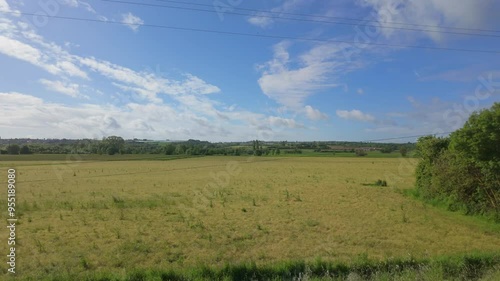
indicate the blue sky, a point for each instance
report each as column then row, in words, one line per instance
column 85, row 79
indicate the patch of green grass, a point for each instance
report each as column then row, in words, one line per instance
column 464, row 267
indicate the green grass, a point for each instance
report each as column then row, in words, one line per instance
column 88, row 157
column 370, row 154
column 130, row 157
column 464, row 267
column 266, row 214
column 490, row 221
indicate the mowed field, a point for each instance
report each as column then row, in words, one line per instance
column 81, row 216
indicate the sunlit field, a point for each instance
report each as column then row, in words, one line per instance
column 78, row 217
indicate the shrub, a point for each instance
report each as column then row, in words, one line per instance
column 360, row 152
column 462, row 171
column 13, row 149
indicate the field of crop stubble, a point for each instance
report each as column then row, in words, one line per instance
column 112, row 216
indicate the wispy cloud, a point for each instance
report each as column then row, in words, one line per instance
column 35, row 50
column 284, row 122
column 132, row 21
column 290, row 81
column 69, row 89
column 4, row 6
column 470, row 14
column 355, row 114
column 21, row 51
column 261, row 20
column 264, row 20
column 147, row 84
column 71, row 3
column 314, row 114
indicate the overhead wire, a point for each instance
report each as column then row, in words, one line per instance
column 326, row 17
column 303, row 20
column 254, row 34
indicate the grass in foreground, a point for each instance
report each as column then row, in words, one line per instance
column 468, row 267
column 111, row 216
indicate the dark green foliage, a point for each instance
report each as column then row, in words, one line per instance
column 387, row 149
column 112, row 145
column 13, row 149
column 463, row 171
column 467, row 267
column 404, row 151
column 169, row 149
column 479, row 139
column 377, row 183
column 25, row 150
column 360, row 152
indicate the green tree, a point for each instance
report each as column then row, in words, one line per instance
column 463, row 171
column 25, row 150
column 113, row 144
column 429, row 148
column 169, row 149
column 13, row 149
column 403, row 150
column 360, row 152
column 479, row 138
column 179, row 149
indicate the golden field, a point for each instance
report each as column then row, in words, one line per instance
column 78, row 216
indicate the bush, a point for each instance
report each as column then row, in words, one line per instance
column 463, row 171
column 25, row 150
column 13, row 149
column 360, row 152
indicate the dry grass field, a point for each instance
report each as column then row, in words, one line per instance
column 112, row 216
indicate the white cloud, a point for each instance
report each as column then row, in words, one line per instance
column 290, row 82
column 133, row 22
column 71, row 3
column 314, row 114
column 360, row 91
column 4, row 6
column 190, row 112
column 70, row 89
column 21, row 113
column 195, row 85
column 19, row 50
column 147, row 84
column 49, row 57
column 284, row 122
column 355, row 115
column 470, row 14
column 71, row 69
column 270, row 17
column 14, row 98
column 260, row 20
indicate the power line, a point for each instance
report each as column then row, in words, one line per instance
column 331, row 17
column 303, row 20
column 257, row 35
column 407, row 137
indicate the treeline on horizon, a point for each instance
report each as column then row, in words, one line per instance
column 117, row 145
